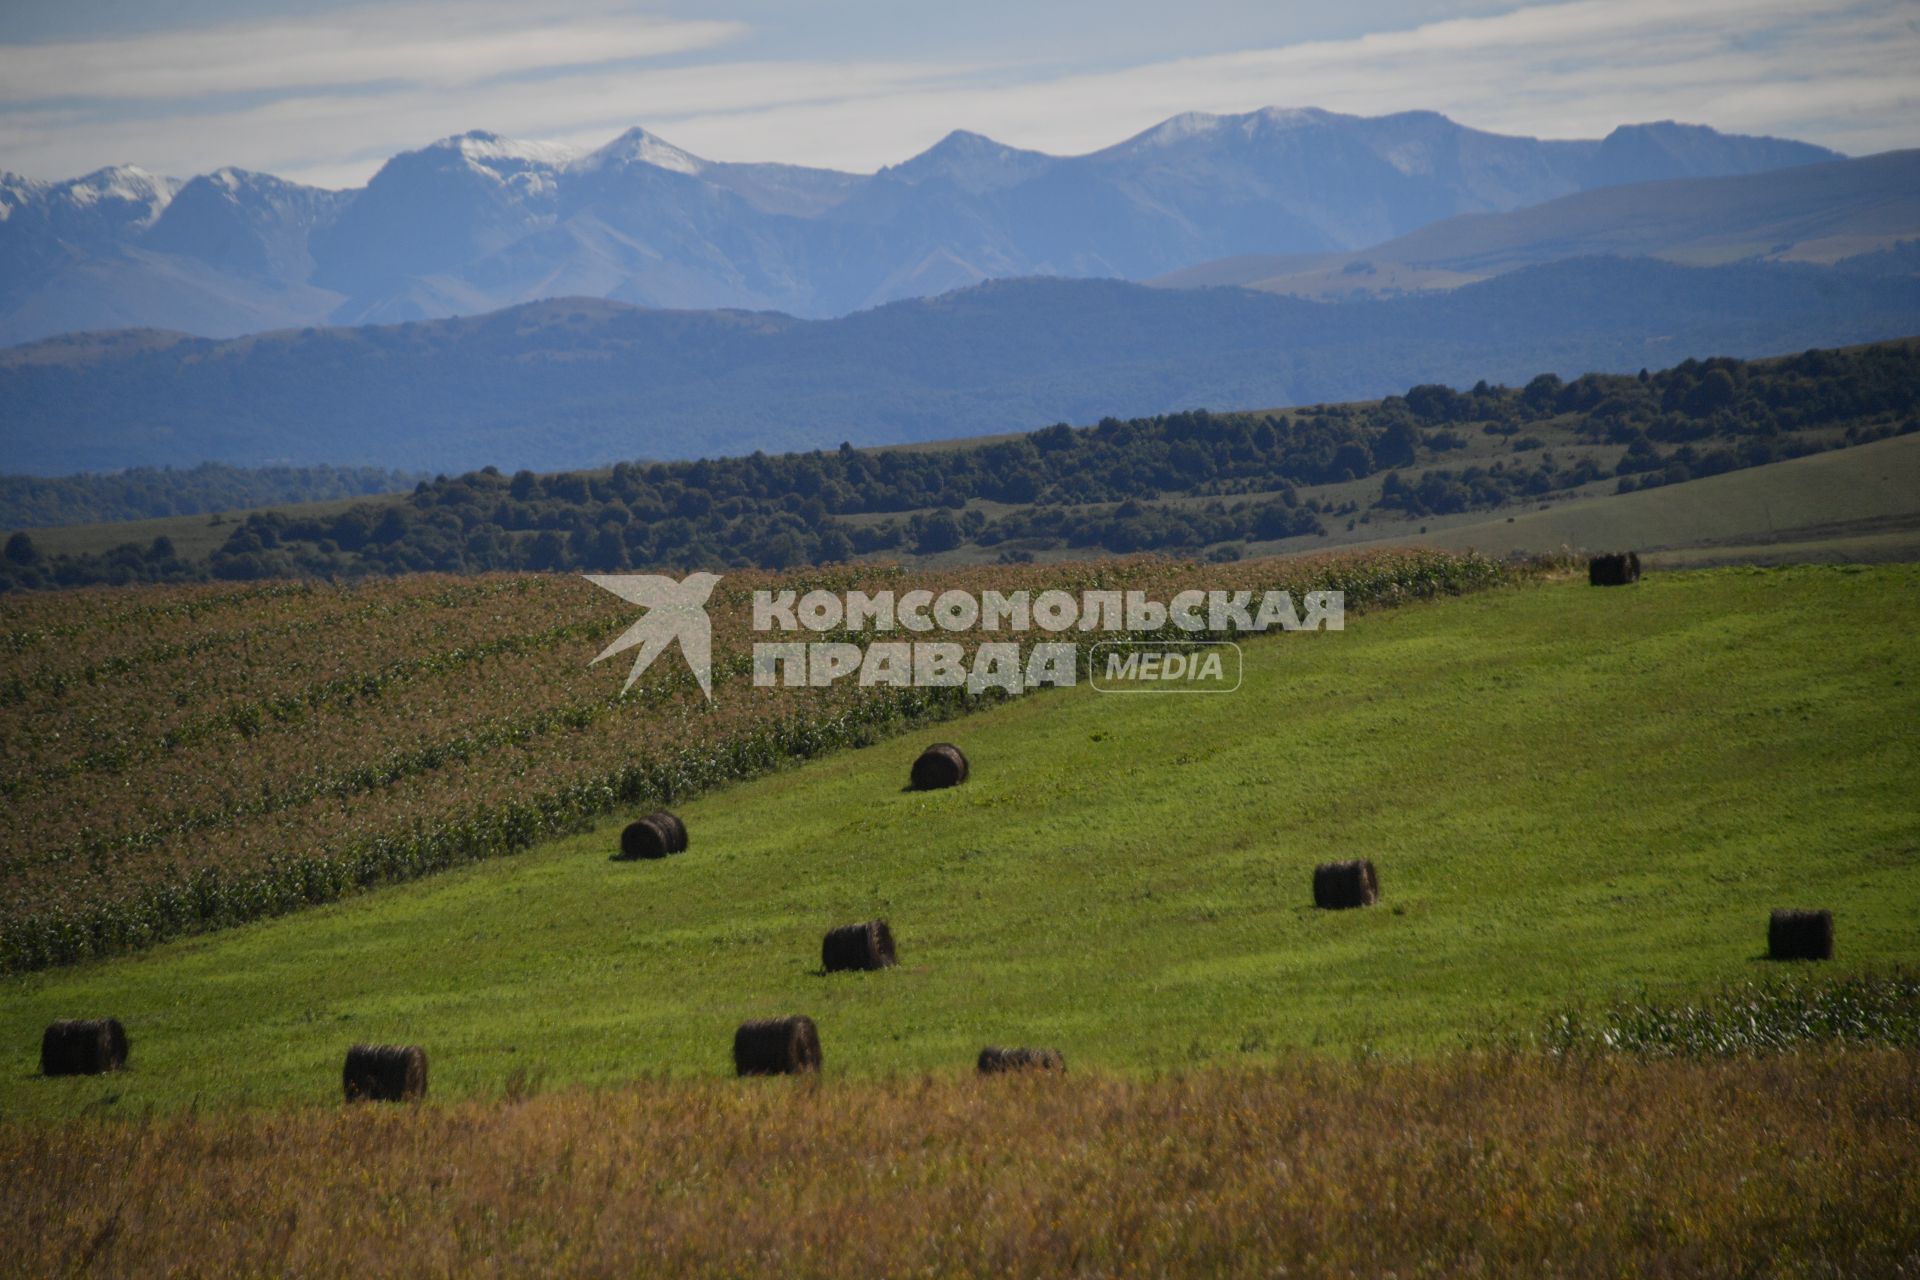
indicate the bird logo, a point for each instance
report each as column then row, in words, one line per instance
column 675, row 611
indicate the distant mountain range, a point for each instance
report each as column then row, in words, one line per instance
column 476, row 222
column 1847, row 211
column 580, row 382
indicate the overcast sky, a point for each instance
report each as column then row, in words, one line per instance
column 323, row 91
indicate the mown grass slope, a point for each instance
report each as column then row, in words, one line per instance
column 1570, row 792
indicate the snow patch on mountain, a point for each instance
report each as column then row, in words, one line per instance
column 1172, row 132
column 17, row 191
column 490, row 150
column 1284, row 118
column 125, row 184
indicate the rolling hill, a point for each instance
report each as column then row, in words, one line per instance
column 580, row 383
column 1855, row 505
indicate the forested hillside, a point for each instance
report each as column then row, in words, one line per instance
column 1186, row 482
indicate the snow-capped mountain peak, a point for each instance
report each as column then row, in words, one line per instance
column 125, row 182
column 637, row 146
column 118, row 199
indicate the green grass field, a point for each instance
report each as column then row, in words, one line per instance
column 1569, row 792
column 1860, row 503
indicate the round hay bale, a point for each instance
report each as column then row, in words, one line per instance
column 994, row 1061
column 1800, row 935
column 1339, row 885
column 857, row 946
column 83, row 1047
column 385, row 1073
column 776, row 1047
column 940, row 765
column 1614, row 569
column 654, row 836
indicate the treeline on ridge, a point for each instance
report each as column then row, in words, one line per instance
column 1110, row 487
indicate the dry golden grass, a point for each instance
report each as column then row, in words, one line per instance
column 1792, row 1165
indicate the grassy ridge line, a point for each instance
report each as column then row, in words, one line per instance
column 1470, row 1165
column 213, row 898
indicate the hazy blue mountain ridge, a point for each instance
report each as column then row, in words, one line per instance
column 478, row 222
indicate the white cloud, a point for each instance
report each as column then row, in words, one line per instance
column 317, row 136
column 426, row 44
column 1832, row 71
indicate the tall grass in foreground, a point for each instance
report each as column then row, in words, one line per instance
column 1490, row 1165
